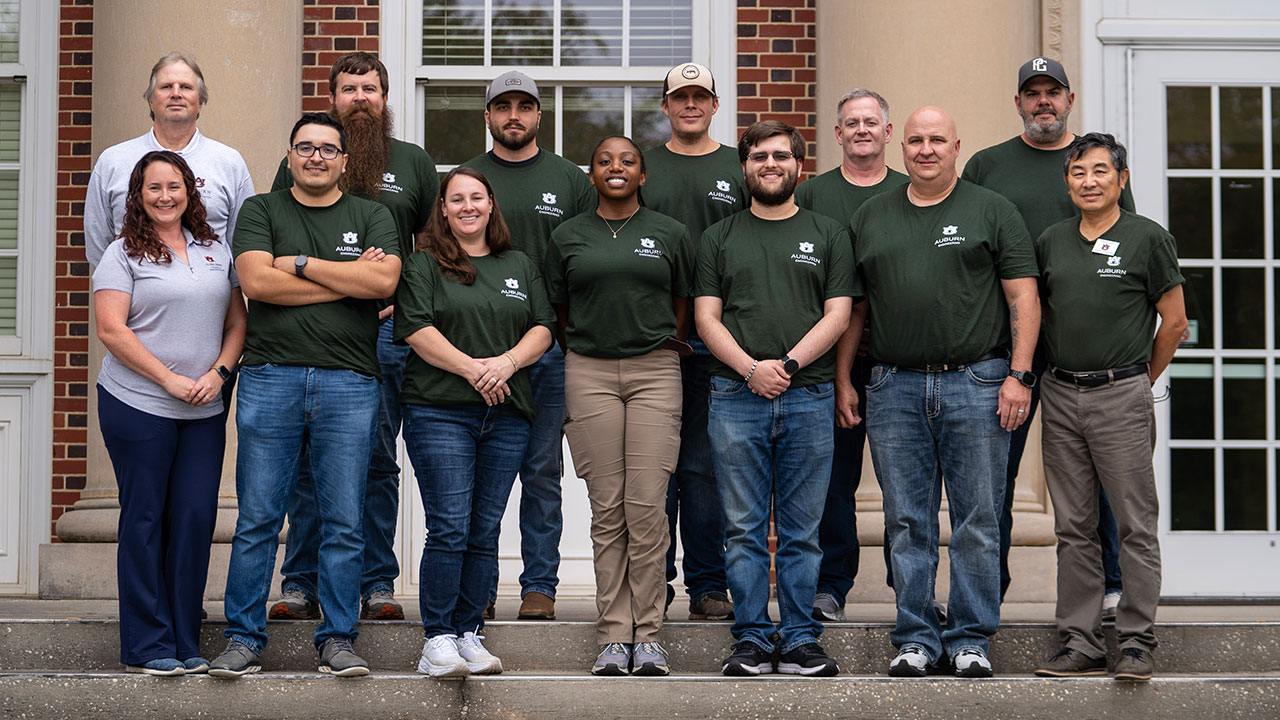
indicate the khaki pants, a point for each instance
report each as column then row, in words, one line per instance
column 1091, row 436
column 623, row 426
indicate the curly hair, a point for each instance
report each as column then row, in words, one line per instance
column 438, row 239
column 140, row 238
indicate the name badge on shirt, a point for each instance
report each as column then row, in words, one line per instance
column 1106, row 247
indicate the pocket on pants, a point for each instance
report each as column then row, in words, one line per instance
column 989, row 372
column 819, row 390
column 726, row 386
column 880, row 375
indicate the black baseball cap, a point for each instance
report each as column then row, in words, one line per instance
column 1048, row 67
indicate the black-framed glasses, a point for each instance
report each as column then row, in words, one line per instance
column 327, row 151
column 779, row 156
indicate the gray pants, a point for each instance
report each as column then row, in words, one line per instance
column 1091, row 436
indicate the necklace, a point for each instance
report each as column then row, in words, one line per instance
column 624, row 224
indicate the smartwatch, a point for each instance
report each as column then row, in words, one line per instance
column 300, row 265
column 223, row 372
column 790, row 365
column 1026, row 377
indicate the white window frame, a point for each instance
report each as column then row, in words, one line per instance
column 401, row 43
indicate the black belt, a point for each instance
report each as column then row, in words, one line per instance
column 1099, row 378
column 992, row 354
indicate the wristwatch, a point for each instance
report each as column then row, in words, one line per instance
column 1026, row 377
column 223, row 372
column 790, row 365
column 300, row 265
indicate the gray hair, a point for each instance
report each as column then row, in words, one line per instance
column 170, row 59
column 1085, row 143
column 857, row 93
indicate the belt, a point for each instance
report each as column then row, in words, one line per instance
column 992, row 354
column 1099, row 378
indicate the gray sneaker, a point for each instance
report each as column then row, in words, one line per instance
column 295, row 605
column 714, row 605
column 614, row 659
column 337, row 657
column 381, row 605
column 649, row 658
column 237, row 660
column 827, row 609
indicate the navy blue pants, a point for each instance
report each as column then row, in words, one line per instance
column 168, row 472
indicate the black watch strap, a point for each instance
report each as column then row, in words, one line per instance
column 223, row 372
column 1026, row 377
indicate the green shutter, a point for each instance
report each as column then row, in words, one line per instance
column 8, row 296
column 10, row 122
column 9, row 29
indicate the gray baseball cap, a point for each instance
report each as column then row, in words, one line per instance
column 513, row 81
column 1047, row 67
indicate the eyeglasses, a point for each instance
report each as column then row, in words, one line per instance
column 779, row 156
column 306, row 150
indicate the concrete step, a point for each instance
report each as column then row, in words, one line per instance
column 526, row 646
column 389, row 696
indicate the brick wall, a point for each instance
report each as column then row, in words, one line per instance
column 331, row 29
column 777, row 66
column 71, row 281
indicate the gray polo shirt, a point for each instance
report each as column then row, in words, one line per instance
column 177, row 311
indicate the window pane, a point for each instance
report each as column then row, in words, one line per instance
column 589, row 114
column 1244, row 489
column 1242, row 233
column 1243, row 308
column 453, row 32
column 1191, row 216
column 9, row 30
column 1188, row 110
column 1240, row 114
column 1191, row 400
column 10, row 122
column 522, row 33
column 1275, row 128
column 8, row 209
column 455, row 128
column 661, row 32
column 1198, row 292
column 1244, row 400
column 1191, row 479
column 590, row 33
column 649, row 125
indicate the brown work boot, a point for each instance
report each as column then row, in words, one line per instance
column 490, row 611
column 537, row 606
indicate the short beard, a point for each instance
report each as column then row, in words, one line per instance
column 517, row 144
column 760, row 195
column 1043, row 135
column 368, row 150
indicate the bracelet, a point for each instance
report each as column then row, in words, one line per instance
column 515, row 367
column 747, row 378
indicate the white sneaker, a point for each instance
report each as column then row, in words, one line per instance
column 479, row 660
column 910, row 662
column 971, row 663
column 1110, row 602
column 440, row 657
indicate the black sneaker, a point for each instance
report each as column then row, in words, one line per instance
column 1135, row 665
column 808, row 660
column 747, row 660
column 1072, row 663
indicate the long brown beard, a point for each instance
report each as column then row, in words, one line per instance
column 368, row 150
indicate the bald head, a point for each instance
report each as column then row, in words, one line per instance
column 930, row 147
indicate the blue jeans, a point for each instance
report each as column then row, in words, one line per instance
column 381, row 495
column 281, row 408
column 838, row 532
column 167, row 471
column 466, row 458
column 693, row 497
column 540, row 473
column 924, row 427
column 772, row 453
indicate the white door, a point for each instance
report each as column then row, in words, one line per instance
column 13, row 524
column 1205, row 129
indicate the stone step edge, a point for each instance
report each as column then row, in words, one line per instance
column 366, row 625
column 512, row 676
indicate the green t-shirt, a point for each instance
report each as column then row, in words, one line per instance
column 773, row 277
column 619, row 290
column 1032, row 180
column 409, row 188
column 483, row 319
column 535, row 196
column 831, row 195
column 337, row 334
column 697, row 190
column 932, row 274
column 1099, row 310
